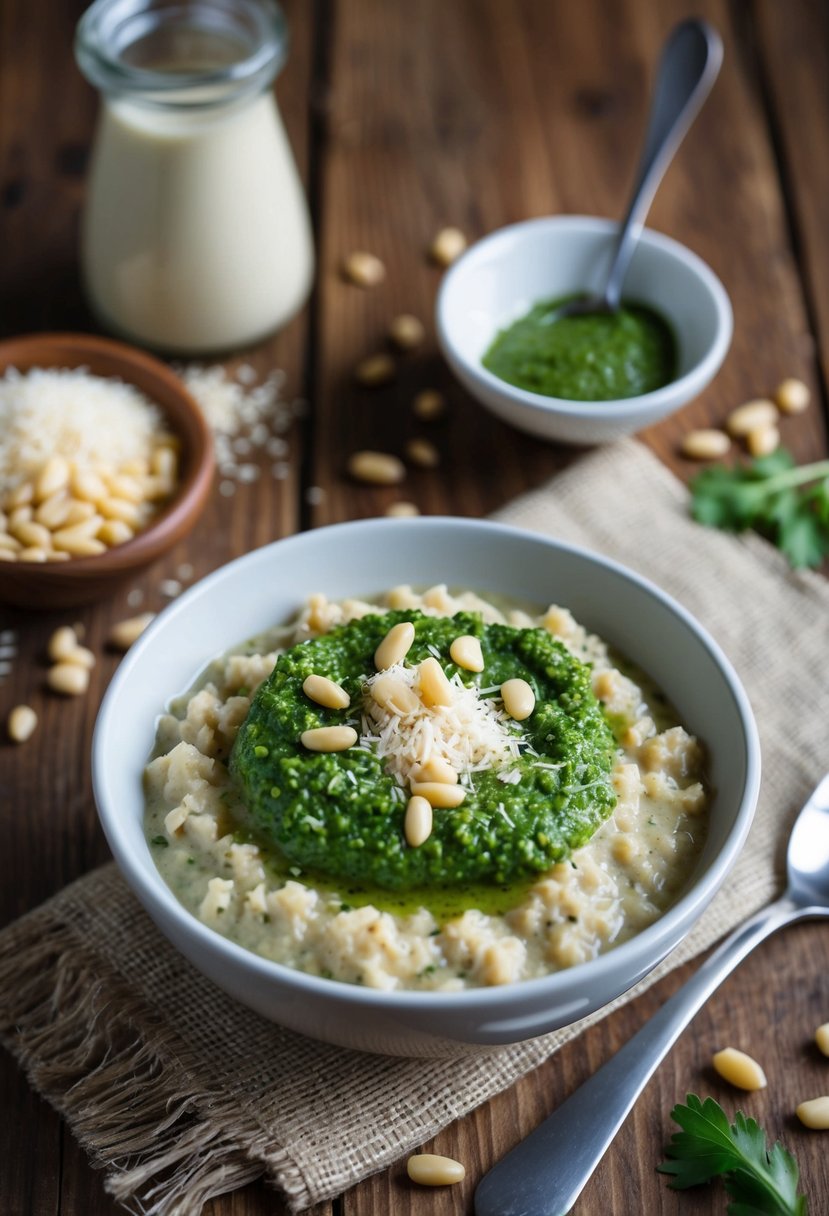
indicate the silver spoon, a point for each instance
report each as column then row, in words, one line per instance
column 687, row 70
column 545, row 1173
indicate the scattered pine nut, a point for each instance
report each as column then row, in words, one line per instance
column 466, row 652
column 52, row 477
column 739, row 1069
column 21, row 723
column 114, row 532
column 448, row 245
column 435, row 688
column 375, row 370
column 428, row 1169
column 822, row 1038
column 625, row 850
column 79, row 656
column 68, row 679
column 435, row 769
column 423, row 453
column 33, row 554
column 417, row 825
column 395, row 645
column 429, row 404
column 124, row 633
column 325, row 692
column 376, row 468
column 29, row 533
column 439, row 793
column 763, row 440
column 406, row 331
column 400, row 510
column 792, row 396
column 364, row 269
column 329, row 738
column 518, row 698
column 62, row 642
column 393, row 695
column 814, row 1113
column 705, row 444
column 749, row 416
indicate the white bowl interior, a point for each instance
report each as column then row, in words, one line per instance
column 500, row 279
column 268, row 586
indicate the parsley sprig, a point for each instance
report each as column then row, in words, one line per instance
column 761, row 1182
column 786, row 502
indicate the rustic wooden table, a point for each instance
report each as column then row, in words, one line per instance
column 404, row 118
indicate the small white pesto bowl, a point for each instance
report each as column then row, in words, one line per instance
column 502, row 276
column 365, row 558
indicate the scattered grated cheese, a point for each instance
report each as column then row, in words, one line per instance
column 88, row 419
column 472, row 734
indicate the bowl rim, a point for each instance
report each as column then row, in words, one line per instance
column 618, row 409
column 193, row 487
column 653, row 942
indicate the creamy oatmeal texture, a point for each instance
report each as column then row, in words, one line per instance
column 630, row 871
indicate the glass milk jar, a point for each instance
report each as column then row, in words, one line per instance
column 196, row 235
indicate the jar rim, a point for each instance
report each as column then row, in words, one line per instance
column 109, row 27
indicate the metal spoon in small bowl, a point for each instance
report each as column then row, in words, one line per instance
column 545, row 1173
column 687, row 70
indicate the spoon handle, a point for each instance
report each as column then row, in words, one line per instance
column 687, row 70
column 545, row 1173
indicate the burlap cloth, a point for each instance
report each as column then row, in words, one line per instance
column 180, row 1094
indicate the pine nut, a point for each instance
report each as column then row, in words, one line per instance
column 705, row 444
column 164, row 462
column 393, row 695
column 53, row 511
column 61, row 643
column 29, row 533
column 115, row 532
column 423, row 453
column 326, row 692
column 402, row 510
column 438, row 793
column 749, row 416
column 124, row 633
column 79, row 510
column 375, row 370
column 417, row 825
column 124, row 487
column 395, row 645
column 429, row 405
column 364, row 269
column 7, row 555
column 518, row 698
column 792, row 396
column 406, row 331
column 57, row 555
column 87, row 485
column 466, row 652
column 329, row 738
column 739, row 1069
column 376, row 468
column 33, row 554
column 157, row 487
column 20, row 496
column 625, row 850
column 11, row 543
column 20, row 515
column 428, row 1169
column 52, row 477
column 121, row 508
column 435, row 769
column 68, row 679
column 21, row 723
column 448, row 245
column 79, row 656
column 435, row 688
column 814, row 1113
column 763, row 440
column 135, row 468
column 822, row 1038
column 79, row 540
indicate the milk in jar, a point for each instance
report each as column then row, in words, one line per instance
column 196, row 235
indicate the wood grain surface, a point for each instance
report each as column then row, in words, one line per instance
column 405, row 117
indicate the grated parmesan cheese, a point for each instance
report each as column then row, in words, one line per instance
column 90, row 420
column 472, row 734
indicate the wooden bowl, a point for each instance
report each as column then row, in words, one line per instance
column 84, row 579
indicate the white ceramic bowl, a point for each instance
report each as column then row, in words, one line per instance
column 502, row 276
column 268, row 586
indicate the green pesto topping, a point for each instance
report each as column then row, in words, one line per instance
column 341, row 814
column 593, row 357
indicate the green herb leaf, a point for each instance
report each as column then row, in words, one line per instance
column 785, row 502
column 761, row 1182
